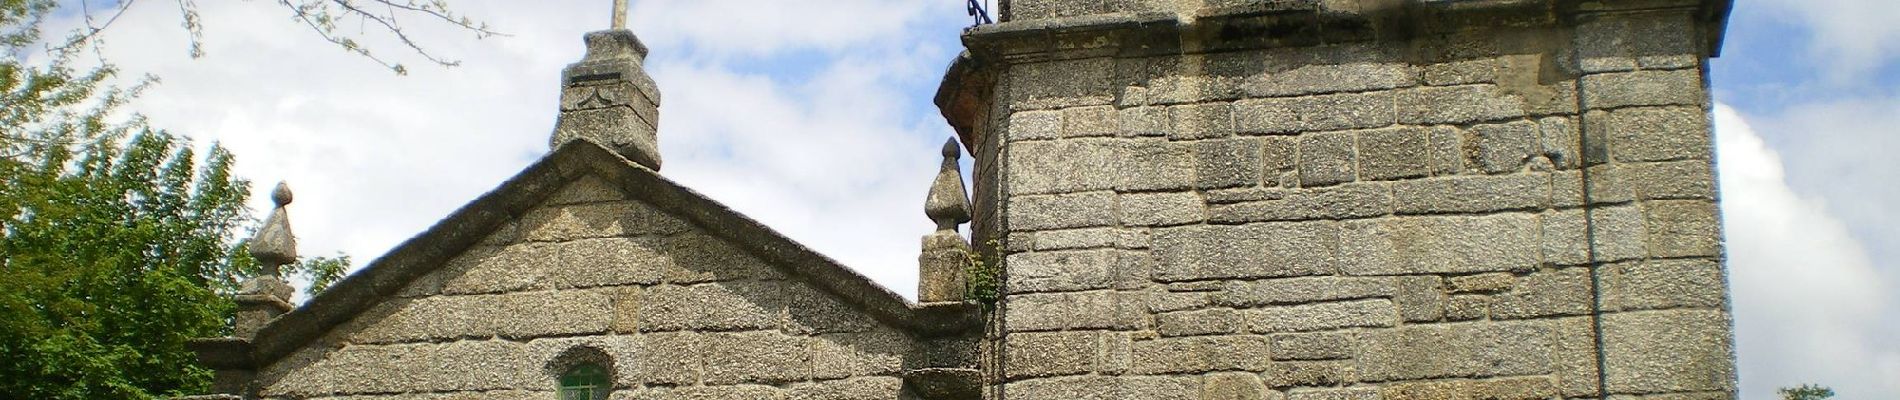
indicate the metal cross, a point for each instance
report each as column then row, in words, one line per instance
column 620, row 14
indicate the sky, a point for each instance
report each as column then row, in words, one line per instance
column 815, row 118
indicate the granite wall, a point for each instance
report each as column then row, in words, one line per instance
column 1335, row 200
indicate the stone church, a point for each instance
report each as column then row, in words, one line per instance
column 1184, row 199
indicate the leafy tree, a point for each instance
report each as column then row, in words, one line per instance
column 1807, row 391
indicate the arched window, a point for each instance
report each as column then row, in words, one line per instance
column 585, row 381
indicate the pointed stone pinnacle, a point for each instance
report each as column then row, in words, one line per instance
column 947, row 204
column 275, row 245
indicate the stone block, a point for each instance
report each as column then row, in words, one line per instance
column 1035, row 125
column 1201, row 121
column 1616, row 232
column 1335, row 112
column 515, row 315
column 1034, row 354
column 1267, row 117
column 1472, row 194
column 1546, row 293
column 1314, row 346
column 669, row 358
column 587, row 189
column 706, row 393
column 1561, row 142
column 755, row 357
column 1154, row 387
column 1461, row 72
column 1290, row 374
column 1321, row 316
column 1162, row 301
column 810, row 310
column 1352, row 393
column 1143, row 121
column 1467, row 307
column 1060, row 271
column 1233, row 386
column 1668, row 351
column 711, row 306
column 1352, row 200
column 844, row 355
column 1455, row 350
column 597, row 220
column 1156, row 164
column 1079, row 238
column 1326, row 159
column 1457, row 105
column 1503, row 148
column 1662, row 284
column 1090, row 121
column 1301, row 290
column 1330, row 78
column 1683, row 228
column 1061, row 83
column 1617, row 42
column 1460, row 244
column 1092, row 387
column 1199, row 354
column 1062, row 311
column 606, row 262
column 1446, row 152
column 1575, row 356
column 1273, row 249
column 1673, row 180
column 699, row 258
column 1659, row 134
column 1279, row 162
column 1061, row 211
column 1395, row 153
column 866, row 388
column 1161, row 209
column 1644, row 88
column 1227, row 163
column 1607, row 184
column 488, row 269
column 1063, row 166
column 1195, row 323
column 1420, row 297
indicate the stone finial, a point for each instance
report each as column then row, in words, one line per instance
column 946, row 255
column 608, row 98
column 274, row 245
column 947, row 205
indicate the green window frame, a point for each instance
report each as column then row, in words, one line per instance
column 586, row 381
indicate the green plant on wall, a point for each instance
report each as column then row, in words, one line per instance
column 980, row 281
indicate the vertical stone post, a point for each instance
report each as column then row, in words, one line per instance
column 945, row 255
column 608, row 98
column 266, row 296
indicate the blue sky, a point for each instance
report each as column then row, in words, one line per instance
column 815, row 118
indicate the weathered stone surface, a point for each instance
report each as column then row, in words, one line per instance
column 1200, row 322
column 606, row 262
column 1274, row 249
column 597, row 220
column 1674, row 180
column 1062, row 83
column 1503, row 148
column 1560, row 142
column 1080, row 238
column 1199, row 354
column 1062, row 311
column 844, row 355
column 1227, row 163
column 1034, row 354
column 1201, row 121
column 1644, row 88
column 1457, row 105
column 1033, row 125
column 1455, row 350
column 1287, row 374
column 1546, row 293
column 868, row 388
column 1314, row 346
column 1352, row 200
column 1162, row 301
column 1321, row 316
column 1668, row 351
column 1156, row 164
column 1356, row 393
column 712, row 306
column 1683, row 228
column 1659, row 134
column 1395, row 153
column 587, row 189
column 1079, row 210
column 699, row 258
column 1279, row 161
column 1054, row 271
column 1090, row 121
column 706, row 393
column 1063, row 166
column 1393, row 246
column 1446, row 151
column 364, row 369
column 1301, row 290
column 1267, row 117
column 1144, row 121
column 1329, row 78
column 1466, row 307
column 755, row 357
column 1616, row 232
column 1326, row 159
column 1490, row 282
column 1460, row 72
column 1663, row 284
column 1233, row 386
column 1420, row 297
column 482, row 270
column 516, row 315
column 1344, row 111
column 1160, row 209
column 1472, row 194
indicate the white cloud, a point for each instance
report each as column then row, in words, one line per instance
column 1809, row 303
column 1850, row 37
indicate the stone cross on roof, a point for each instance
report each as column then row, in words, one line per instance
column 620, row 14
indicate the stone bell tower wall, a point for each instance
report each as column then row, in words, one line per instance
column 1349, row 199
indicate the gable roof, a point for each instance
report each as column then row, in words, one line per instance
column 466, row 227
